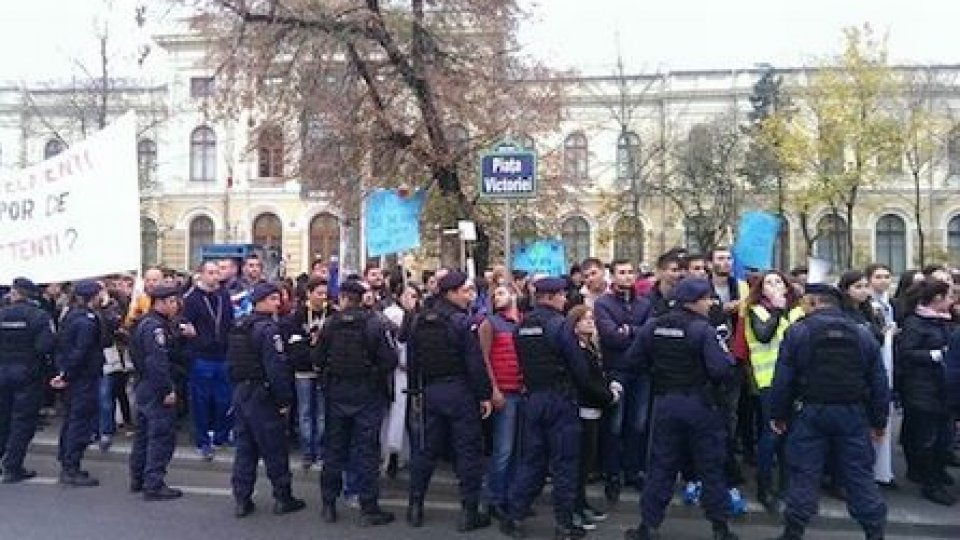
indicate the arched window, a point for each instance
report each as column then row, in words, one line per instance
column 270, row 152
column 324, row 236
column 523, row 231
column 628, row 239
column 149, row 243
column 201, row 234
column 953, row 151
column 203, row 155
column 953, row 239
column 268, row 231
column 892, row 242
column 628, row 156
column 575, row 233
column 575, row 165
column 53, row 147
column 147, row 162
column 831, row 243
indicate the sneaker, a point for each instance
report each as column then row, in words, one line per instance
column 583, row 522
column 593, row 514
column 691, row 493
column 738, row 505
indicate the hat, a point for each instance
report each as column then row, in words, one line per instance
column 821, row 289
column 26, row 286
column 352, row 286
column 550, row 285
column 87, row 288
column 262, row 291
column 163, row 291
column 453, row 279
column 691, row 289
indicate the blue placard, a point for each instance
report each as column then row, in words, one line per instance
column 508, row 172
column 542, row 256
column 756, row 238
column 392, row 222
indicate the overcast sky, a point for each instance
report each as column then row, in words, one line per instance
column 651, row 35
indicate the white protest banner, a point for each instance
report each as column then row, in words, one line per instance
column 817, row 270
column 76, row 215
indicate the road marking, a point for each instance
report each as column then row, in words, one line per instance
column 215, row 492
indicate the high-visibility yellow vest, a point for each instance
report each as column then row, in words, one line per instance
column 763, row 356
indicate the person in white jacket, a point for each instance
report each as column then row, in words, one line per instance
column 395, row 444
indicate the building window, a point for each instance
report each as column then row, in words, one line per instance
column 523, row 232
column 953, row 240
column 53, row 147
column 892, row 243
column 953, row 151
column 575, row 233
column 270, row 153
column 149, row 243
column 147, row 162
column 201, row 234
column 628, row 156
column 203, row 155
column 628, row 240
column 324, row 237
column 268, row 231
column 201, row 87
column 575, row 165
column 831, row 243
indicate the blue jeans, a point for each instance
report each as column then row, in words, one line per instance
column 108, row 423
column 624, row 435
column 309, row 417
column 210, row 401
column 503, row 460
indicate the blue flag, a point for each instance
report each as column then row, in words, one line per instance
column 756, row 238
column 542, row 256
column 392, row 222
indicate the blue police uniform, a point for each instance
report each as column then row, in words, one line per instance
column 831, row 385
column 554, row 366
column 355, row 355
column 687, row 361
column 80, row 360
column 263, row 385
column 449, row 379
column 156, row 421
column 26, row 336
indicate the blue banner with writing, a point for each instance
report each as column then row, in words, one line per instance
column 392, row 222
column 542, row 256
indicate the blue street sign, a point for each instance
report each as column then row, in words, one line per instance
column 508, row 172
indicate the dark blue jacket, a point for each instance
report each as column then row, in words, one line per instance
column 613, row 310
column 794, row 359
column 79, row 349
column 921, row 379
column 378, row 345
column 34, row 335
column 267, row 339
column 952, row 368
column 564, row 341
column 716, row 358
column 150, row 347
column 211, row 314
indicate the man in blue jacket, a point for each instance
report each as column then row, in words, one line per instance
column 619, row 313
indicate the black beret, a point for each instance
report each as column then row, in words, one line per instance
column 26, row 286
column 352, row 286
column 692, row 289
column 550, row 285
column 453, row 279
column 262, row 291
column 821, row 289
column 164, row 291
column 87, row 288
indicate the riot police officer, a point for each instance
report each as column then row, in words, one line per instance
column 26, row 336
column 263, row 392
column 354, row 354
column 80, row 361
column 451, row 386
column 156, row 398
column 553, row 366
column 688, row 362
column 830, row 384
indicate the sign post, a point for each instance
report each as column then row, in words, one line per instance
column 507, row 172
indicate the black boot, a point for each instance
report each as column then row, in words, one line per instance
column 721, row 531
column 77, row 479
column 164, row 493
column 640, row 533
column 791, row 531
column 16, row 476
column 938, row 494
column 568, row 531
column 415, row 513
column 244, row 508
column 611, row 490
column 513, row 528
column 873, row 533
column 329, row 512
column 288, row 504
column 470, row 517
column 373, row 516
column 765, row 498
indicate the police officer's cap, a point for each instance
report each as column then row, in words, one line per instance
column 453, row 280
column 164, row 291
column 262, row 291
column 86, row 288
column 26, row 286
column 821, row 289
column 547, row 285
column 352, row 286
column 691, row 289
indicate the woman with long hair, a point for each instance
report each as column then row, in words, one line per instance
column 855, row 293
column 921, row 380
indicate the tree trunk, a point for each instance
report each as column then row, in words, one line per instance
column 808, row 239
column 918, row 217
